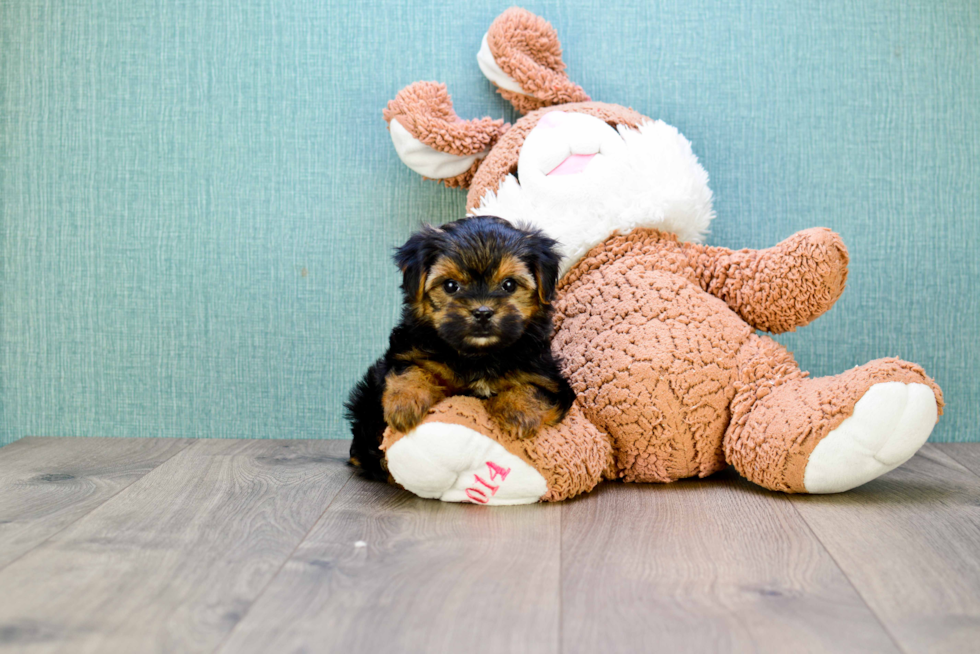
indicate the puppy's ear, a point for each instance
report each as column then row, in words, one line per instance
column 414, row 259
column 545, row 262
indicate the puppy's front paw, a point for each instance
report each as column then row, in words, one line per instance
column 518, row 413
column 522, row 425
column 405, row 410
column 408, row 398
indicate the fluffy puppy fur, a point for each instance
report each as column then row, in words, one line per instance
column 476, row 321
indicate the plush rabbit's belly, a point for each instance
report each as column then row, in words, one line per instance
column 653, row 357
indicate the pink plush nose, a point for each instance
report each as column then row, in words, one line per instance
column 575, row 163
column 552, row 119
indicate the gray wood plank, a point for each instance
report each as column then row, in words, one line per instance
column 966, row 454
column 387, row 571
column 172, row 562
column 48, row 483
column 910, row 543
column 714, row 565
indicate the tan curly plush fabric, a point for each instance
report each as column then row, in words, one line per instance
column 650, row 355
column 425, row 110
column 776, row 289
column 779, row 417
column 526, row 48
column 657, row 340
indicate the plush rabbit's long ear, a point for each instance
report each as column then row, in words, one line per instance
column 432, row 140
column 521, row 55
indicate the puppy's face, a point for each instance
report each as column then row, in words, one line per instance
column 478, row 281
column 477, row 301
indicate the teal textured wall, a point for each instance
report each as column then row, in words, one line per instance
column 199, row 198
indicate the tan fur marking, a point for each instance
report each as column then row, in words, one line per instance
column 444, row 269
column 525, row 299
column 533, row 379
column 482, row 388
column 433, row 302
column 420, row 294
column 511, row 266
column 411, row 355
column 538, row 282
column 441, row 374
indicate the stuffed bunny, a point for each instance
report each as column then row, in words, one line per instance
column 657, row 333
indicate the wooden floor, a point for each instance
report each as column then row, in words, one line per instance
column 135, row 545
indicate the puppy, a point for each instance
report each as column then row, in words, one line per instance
column 476, row 321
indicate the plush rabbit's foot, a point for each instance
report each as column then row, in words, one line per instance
column 827, row 434
column 890, row 423
column 453, row 463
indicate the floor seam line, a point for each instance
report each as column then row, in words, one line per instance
column 561, row 579
column 850, row 582
column 286, row 560
column 101, row 504
column 954, row 459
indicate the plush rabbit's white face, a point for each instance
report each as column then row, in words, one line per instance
column 564, row 148
column 584, row 170
column 580, row 180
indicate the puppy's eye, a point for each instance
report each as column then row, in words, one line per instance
column 509, row 285
column 450, row 286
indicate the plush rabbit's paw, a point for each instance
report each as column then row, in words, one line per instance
column 453, row 463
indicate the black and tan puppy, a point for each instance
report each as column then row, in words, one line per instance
column 476, row 321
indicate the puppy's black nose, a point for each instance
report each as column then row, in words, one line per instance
column 483, row 314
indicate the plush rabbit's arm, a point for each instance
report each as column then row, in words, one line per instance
column 780, row 288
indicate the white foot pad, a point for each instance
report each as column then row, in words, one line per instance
column 456, row 464
column 889, row 424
